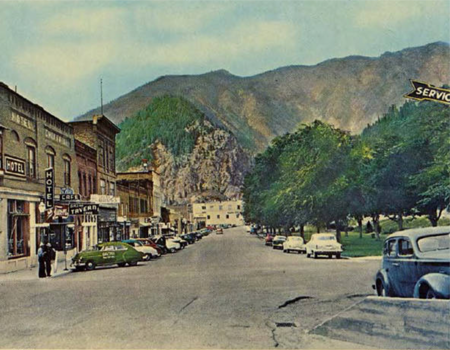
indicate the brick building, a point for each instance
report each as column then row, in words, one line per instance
column 31, row 140
column 99, row 133
column 140, row 202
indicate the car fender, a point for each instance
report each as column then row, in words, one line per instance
column 439, row 282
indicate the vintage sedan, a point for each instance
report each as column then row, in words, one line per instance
column 269, row 239
column 416, row 263
column 106, row 254
column 148, row 251
column 323, row 244
column 219, row 231
column 294, row 244
column 278, row 241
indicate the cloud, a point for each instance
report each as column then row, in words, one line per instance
column 390, row 14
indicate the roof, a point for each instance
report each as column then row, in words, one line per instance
column 419, row 232
column 99, row 117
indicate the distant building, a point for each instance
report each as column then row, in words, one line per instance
column 218, row 213
column 31, row 140
column 140, row 202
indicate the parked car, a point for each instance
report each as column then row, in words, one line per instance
column 159, row 244
column 177, row 239
column 205, row 232
column 323, row 244
column 269, row 238
column 105, row 254
column 149, row 242
column 149, row 252
column 171, row 246
column 294, row 243
column 416, row 263
column 277, row 242
column 219, row 231
column 189, row 237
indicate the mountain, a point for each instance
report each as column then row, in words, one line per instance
column 201, row 131
column 348, row 92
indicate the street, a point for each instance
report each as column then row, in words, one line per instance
column 225, row 291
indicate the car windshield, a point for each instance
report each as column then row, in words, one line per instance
column 295, row 238
column 434, row 243
column 93, row 248
column 326, row 238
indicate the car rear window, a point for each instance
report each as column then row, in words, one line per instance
column 326, row 238
column 405, row 247
column 434, row 243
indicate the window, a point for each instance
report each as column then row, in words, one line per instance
column 31, row 162
column 218, row 216
column 18, row 227
column 80, row 187
column 220, row 207
column 66, row 172
column 144, row 206
column 50, row 157
column 405, row 248
column 203, row 207
column 102, row 187
column 229, row 206
column 90, row 190
column 1, row 149
column 15, row 136
column 208, row 217
column 111, row 159
column 237, row 216
column 84, row 185
column 389, row 248
column 112, row 188
column 238, row 207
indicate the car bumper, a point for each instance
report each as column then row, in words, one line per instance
column 78, row 264
column 327, row 251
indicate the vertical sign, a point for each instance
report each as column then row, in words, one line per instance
column 49, row 188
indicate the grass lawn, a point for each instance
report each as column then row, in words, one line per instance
column 368, row 246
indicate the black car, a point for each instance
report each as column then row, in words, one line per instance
column 189, row 237
column 416, row 263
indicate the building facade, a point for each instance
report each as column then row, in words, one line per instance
column 99, row 133
column 31, row 140
column 218, row 213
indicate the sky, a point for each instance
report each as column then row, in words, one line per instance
column 56, row 52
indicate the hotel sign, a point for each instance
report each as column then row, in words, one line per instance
column 14, row 166
column 49, row 188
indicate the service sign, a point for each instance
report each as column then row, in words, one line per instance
column 49, row 188
column 58, row 211
column 14, row 166
column 68, row 197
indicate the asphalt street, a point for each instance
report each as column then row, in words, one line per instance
column 226, row 291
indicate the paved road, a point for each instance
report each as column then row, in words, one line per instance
column 226, row 291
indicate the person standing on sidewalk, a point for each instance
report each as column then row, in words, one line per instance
column 41, row 259
column 48, row 260
column 53, row 258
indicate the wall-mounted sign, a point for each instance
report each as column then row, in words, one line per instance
column 49, row 188
column 68, row 197
column 14, row 166
column 66, row 190
column 83, row 209
column 58, row 211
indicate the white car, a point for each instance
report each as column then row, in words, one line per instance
column 149, row 252
column 294, row 243
column 168, row 243
column 323, row 244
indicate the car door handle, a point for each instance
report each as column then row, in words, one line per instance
column 396, row 264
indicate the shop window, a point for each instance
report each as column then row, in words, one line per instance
column 18, row 226
column 61, row 236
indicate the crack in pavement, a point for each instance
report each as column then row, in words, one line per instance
column 291, row 301
column 185, row 306
column 273, row 329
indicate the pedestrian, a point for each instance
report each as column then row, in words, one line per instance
column 53, row 258
column 48, row 260
column 41, row 260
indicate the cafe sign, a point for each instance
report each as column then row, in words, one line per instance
column 14, row 166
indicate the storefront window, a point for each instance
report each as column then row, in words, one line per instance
column 60, row 235
column 18, row 224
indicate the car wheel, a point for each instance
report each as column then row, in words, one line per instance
column 330, row 256
column 146, row 257
column 338, row 255
column 173, row 250
column 431, row 294
column 315, row 255
column 121, row 264
column 133, row 263
column 90, row 266
column 382, row 290
column 308, row 255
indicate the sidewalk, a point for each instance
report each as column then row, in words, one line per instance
column 31, row 274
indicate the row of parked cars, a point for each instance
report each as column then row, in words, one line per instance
column 131, row 251
column 319, row 244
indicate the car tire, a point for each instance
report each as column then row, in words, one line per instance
column 338, row 255
column 90, row 265
column 121, row 264
column 173, row 250
column 146, row 257
column 315, row 255
column 308, row 255
column 133, row 263
column 431, row 294
column 382, row 289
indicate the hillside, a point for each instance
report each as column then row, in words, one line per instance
column 347, row 92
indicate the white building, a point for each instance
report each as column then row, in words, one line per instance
column 217, row 213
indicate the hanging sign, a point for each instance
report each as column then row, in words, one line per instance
column 49, row 188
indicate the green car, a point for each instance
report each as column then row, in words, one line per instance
column 105, row 254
